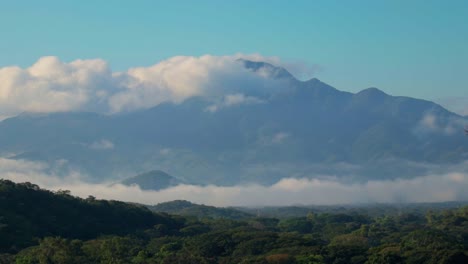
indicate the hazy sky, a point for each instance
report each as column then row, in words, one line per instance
column 414, row 48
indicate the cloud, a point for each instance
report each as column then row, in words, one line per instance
column 233, row 100
column 37, row 172
column 434, row 188
column 165, row 151
column 434, row 124
column 274, row 139
column 50, row 85
column 102, row 145
column 279, row 137
column 19, row 166
column 429, row 121
column 447, row 186
column 182, row 77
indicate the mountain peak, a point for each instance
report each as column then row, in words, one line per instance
column 320, row 87
column 152, row 180
column 372, row 91
column 314, row 80
column 273, row 71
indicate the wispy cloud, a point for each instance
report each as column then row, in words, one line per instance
column 233, row 100
column 434, row 124
column 274, row 138
column 280, row 137
column 102, row 145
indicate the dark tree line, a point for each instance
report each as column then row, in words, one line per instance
column 39, row 226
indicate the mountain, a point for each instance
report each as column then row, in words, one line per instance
column 297, row 128
column 187, row 208
column 152, row 180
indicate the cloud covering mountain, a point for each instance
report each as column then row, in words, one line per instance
column 224, row 120
column 51, row 85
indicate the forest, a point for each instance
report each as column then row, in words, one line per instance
column 42, row 226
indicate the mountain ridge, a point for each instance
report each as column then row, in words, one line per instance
column 305, row 129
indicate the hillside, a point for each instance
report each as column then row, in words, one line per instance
column 40, row 226
column 28, row 212
column 187, row 208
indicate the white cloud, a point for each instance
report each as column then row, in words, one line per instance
column 165, row 151
column 102, row 145
column 51, row 85
column 182, row 77
column 36, row 172
column 436, row 188
column 273, row 139
column 19, row 166
column 236, row 99
column 233, row 100
column 280, row 137
column 431, row 123
column 430, row 188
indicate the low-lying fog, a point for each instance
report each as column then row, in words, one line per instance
column 327, row 190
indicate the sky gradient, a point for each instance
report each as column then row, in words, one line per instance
column 412, row 48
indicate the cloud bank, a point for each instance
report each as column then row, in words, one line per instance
column 429, row 188
column 51, row 85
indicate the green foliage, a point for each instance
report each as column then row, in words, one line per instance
column 35, row 227
column 181, row 207
column 28, row 212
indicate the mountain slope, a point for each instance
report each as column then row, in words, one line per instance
column 303, row 129
column 28, row 212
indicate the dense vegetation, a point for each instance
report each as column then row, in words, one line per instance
column 186, row 208
column 39, row 226
column 28, row 213
column 373, row 210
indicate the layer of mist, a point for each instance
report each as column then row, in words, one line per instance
column 448, row 186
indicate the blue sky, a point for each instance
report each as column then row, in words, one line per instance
column 413, row 48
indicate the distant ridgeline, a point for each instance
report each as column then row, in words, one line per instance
column 40, row 226
column 291, row 128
